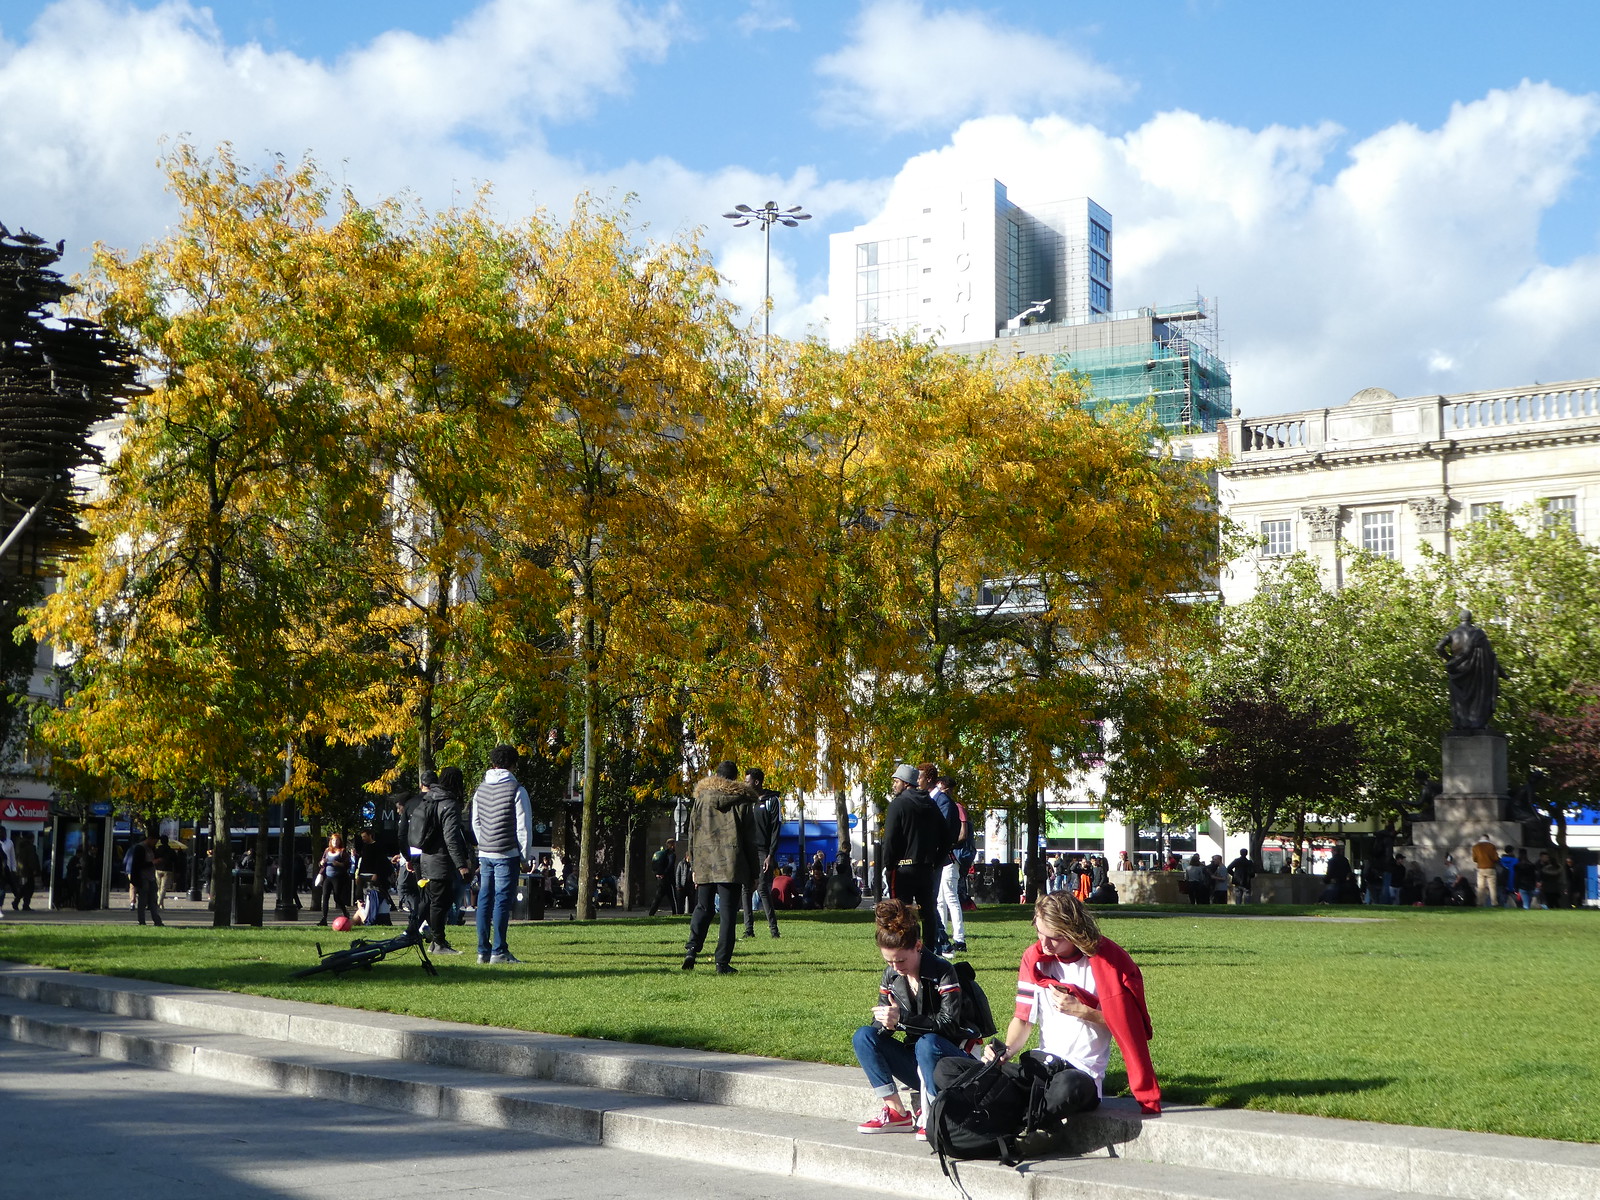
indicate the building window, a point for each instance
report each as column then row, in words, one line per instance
column 1099, row 237
column 1099, row 266
column 1481, row 512
column 867, row 254
column 1099, row 296
column 1377, row 533
column 1277, row 538
column 1074, row 829
column 1561, row 510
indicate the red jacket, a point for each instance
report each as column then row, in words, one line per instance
column 1119, row 994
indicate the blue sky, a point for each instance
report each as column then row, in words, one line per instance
column 1403, row 195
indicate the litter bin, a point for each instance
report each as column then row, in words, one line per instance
column 527, row 904
column 246, row 904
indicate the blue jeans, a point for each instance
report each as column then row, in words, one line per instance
column 886, row 1058
column 497, row 877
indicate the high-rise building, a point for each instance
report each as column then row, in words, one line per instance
column 960, row 264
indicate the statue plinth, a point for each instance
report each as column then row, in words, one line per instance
column 1474, row 764
column 1475, row 800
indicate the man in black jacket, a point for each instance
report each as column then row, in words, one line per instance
column 434, row 837
column 766, row 822
column 916, row 841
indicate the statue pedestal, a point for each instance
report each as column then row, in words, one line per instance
column 1475, row 801
column 1475, row 764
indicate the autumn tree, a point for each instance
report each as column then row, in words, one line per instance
column 183, row 610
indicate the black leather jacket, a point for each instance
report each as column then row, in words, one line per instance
column 936, row 1007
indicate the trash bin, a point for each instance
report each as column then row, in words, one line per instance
column 246, row 904
column 527, row 903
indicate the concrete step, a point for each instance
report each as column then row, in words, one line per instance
column 1397, row 1160
column 809, row 1148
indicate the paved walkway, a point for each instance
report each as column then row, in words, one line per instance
column 79, row 1126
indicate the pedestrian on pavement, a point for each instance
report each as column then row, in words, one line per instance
column 664, row 865
column 1241, row 874
column 8, row 865
column 166, row 862
column 434, row 835
column 27, row 874
column 919, row 995
column 916, row 841
column 722, row 855
column 142, row 874
column 502, row 824
column 1487, row 860
column 765, row 819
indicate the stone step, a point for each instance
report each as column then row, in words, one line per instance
column 1399, row 1159
column 806, row 1148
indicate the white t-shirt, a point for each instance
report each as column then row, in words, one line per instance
column 1084, row 1044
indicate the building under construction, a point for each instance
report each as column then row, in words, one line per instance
column 1164, row 356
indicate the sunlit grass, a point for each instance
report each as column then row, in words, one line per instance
column 1481, row 1020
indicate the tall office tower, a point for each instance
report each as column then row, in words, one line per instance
column 959, row 263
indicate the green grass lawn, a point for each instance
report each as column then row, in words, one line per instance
column 1480, row 1020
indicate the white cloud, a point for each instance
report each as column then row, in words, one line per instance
column 908, row 68
column 97, row 85
column 765, row 16
column 1410, row 262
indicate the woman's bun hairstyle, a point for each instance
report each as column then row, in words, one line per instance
column 899, row 925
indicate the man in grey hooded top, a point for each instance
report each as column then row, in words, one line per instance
column 502, row 825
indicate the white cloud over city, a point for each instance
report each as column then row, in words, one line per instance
column 907, row 67
column 1407, row 258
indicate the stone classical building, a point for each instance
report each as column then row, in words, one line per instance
column 1389, row 474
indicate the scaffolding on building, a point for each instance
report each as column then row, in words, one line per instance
column 1178, row 372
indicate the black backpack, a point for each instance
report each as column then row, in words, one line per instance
column 976, row 1014
column 1008, row 1111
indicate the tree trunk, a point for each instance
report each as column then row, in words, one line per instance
column 1032, row 867
column 221, row 862
column 591, row 778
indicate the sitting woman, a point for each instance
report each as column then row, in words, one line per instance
column 1082, row 990
column 919, row 994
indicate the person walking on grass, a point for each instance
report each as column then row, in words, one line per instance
column 919, row 996
column 502, row 825
column 664, row 865
column 722, row 855
column 433, row 825
column 916, row 841
column 765, row 820
column 335, row 872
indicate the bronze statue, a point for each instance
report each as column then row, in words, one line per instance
column 1475, row 675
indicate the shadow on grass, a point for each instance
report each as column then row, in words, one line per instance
column 1216, row 1093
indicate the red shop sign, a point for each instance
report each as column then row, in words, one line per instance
column 24, row 810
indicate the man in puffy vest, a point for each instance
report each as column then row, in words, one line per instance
column 502, row 825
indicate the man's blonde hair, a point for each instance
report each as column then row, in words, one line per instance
column 1065, row 916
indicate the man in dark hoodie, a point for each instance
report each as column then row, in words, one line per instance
column 722, row 853
column 433, row 828
column 916, row 841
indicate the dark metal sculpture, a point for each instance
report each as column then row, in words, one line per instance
column 1475, row 674
column 60, row 377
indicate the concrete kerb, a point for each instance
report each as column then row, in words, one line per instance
column 748, row 1092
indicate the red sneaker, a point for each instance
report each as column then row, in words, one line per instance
column 888, row 1121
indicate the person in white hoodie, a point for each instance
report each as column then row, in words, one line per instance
column 502, row 825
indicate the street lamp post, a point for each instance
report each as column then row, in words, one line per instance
column 768, row 215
